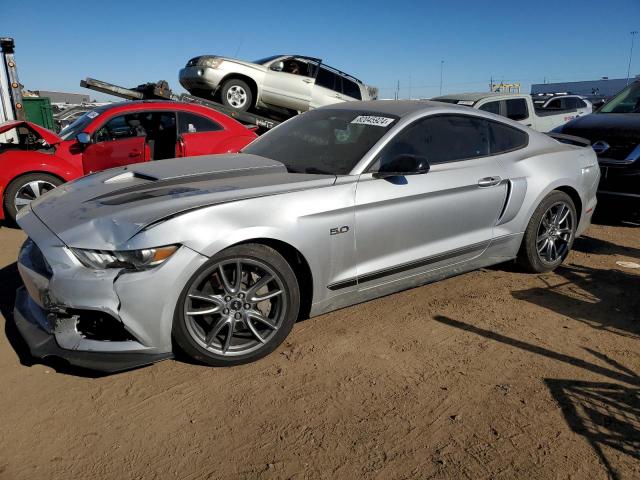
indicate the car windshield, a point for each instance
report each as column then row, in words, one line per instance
column 627, row 101
column 323, row 141
column 79, row 126
column 262, row 61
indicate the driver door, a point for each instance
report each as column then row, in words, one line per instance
column 412, row 224
column 289, row 90
column 119, row 142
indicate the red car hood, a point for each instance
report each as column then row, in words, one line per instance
column 47, row 135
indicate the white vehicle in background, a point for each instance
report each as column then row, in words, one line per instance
column 284, row 83
column 516, row 106
column 567, row 102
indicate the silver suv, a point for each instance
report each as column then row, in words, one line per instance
column 285, row 83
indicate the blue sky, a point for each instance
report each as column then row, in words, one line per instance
column 60, row 42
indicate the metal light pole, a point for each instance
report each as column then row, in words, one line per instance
column 633, row 36
column 441, row 67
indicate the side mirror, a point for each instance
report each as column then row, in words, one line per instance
column 277, row 66
column 403, row 165
column 83, row 138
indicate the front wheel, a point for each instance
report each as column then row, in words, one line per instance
column 26, row 188
column 238, row 307
column 550, row 234
column 236, row 94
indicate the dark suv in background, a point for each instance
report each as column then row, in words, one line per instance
column 614, row 132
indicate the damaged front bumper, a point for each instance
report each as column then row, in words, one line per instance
column 29, row 319
column 105, row 320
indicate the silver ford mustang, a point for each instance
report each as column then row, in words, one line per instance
column 218, row 256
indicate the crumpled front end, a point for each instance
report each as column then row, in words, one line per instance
column 111, row 319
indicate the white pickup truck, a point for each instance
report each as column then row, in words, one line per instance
column 516, row 106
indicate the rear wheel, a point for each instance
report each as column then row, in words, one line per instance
column 550, row 234
column 26, row 188
column 238, row 307
column 236, row 94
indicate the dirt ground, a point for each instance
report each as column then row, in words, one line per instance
column 495, row 374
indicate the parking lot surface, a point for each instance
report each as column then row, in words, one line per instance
column 492, row 374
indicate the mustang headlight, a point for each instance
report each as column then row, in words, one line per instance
column 211, row 62
column 131, row 259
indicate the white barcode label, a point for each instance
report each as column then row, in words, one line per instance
column 373, row 120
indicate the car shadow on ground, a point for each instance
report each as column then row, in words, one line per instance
column 606, row 414
column 605, row 299
column 616, row 214
column 587, row 244
column 10, row 281
column 8, row 225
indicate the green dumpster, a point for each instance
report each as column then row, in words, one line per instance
column 38, row 110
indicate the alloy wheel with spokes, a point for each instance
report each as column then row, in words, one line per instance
column 25, row 189
column 555, row 232
column 238, row 308
column 237, row 94
column 549, row 235
column 30, row 191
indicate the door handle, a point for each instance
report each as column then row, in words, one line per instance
column 134, row 153
column 307, row 80
column 337, row 95
column 489, row 181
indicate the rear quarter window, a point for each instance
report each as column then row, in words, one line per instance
column 193, row 123
column 351, row 89
column 504, row 138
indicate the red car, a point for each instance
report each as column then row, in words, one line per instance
column 34, row 160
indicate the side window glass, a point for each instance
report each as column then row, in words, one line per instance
column 192, row 123
column 326, row 79
column 351, row 89
column 517, row 109
column 491, row 107
column 122, row 126
column 580, row 103
column 554, row 103
column 505, row 138
column 297, row 66
column 440, row 139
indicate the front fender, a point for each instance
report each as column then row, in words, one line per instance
column 302, row 219
column 14, row 164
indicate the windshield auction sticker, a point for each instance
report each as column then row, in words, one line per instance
column 373, row 120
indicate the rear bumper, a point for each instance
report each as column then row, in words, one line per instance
column 31, row 322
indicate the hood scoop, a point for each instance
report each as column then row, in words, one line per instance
column 128, row 177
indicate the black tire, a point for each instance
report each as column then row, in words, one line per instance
column 529, row 256
column 184, row 325
column 47, row 182
column 240, row 86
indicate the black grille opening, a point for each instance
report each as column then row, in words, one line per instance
column 94, row 325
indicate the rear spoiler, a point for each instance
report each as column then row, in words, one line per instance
column 570, row 139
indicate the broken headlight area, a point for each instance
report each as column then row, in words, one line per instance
column 128, row 259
